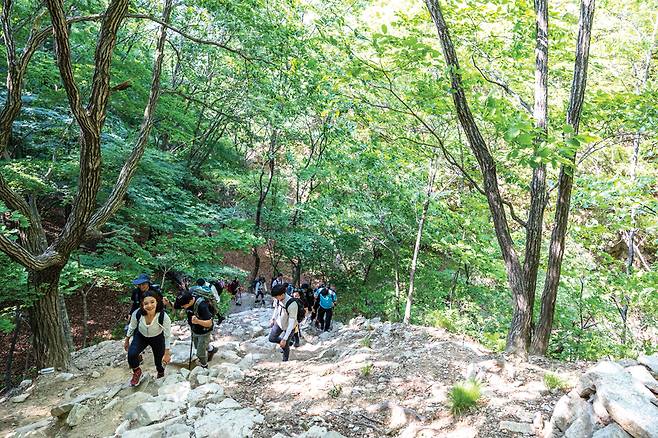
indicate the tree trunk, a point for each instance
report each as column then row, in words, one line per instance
column 556, row 251
column 535, row 221
column 519, row 332
column 12, row 348
column 49, row 341
column 419, row 236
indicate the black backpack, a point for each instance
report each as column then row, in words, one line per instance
column 301, row 313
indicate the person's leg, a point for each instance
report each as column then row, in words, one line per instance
column 137, row 345
column 275, row 334
column 157, row 344
column 202, row 348
column 327, row 319
column 295, row 338
column 321, row 315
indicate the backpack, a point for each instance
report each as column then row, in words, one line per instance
column 160, row 317
column 202, row 293
column 301, row 313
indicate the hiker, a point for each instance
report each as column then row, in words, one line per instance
column 260, row 288
column 308, row 298
column 208, row 291
column 143, row 284
column 296, row 336
column 200, row 318
column 316, row 304
column 326, row 301
column 284, row 319
column 235, row 289
column 277, row 281
column 149, row 326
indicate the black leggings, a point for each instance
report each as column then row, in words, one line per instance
column 324, row 316
column 139, row 344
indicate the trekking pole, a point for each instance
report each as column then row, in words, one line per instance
column 189, row 365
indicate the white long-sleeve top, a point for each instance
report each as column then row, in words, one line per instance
column 152, row 329
column 287, row 320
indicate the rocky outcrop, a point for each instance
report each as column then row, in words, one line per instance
column 610, row 401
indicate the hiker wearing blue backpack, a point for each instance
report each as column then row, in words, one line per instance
column 285, row 318
column 327, row 301
column 149, row 326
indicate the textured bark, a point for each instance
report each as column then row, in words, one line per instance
column 419, row 236
column 556, row 251
column 534, row 225
column 48, row 317
column 49, row 340
column 520, row 326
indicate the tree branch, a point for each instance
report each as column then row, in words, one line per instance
column 497, row 81
column 113, row 202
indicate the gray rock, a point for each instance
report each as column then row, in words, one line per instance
column 95, row 374
column 25, row 384
column 175, row 392
column 148, row 413
column 77, row 415
column 154, row 430
column 65, row 376
column 651, row 362
column 20, row 398
column 582, row 427
column 180, row 353
column 226, row 356
column 195, row 373
column 319, row 432
column 64, row 408
column 642, row 375
column 33, row 430
column 513, row 426
column 205, row 393
column 178, row 431
column 628, row 401
column 185, row 373
column 611, row 431
column 567, row 409
column 228, row 424
column 229, row 372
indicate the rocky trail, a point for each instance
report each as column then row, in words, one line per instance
column 365, row 378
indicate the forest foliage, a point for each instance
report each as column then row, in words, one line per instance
column 324, row 119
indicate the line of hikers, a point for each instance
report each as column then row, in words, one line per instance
column 150, row 325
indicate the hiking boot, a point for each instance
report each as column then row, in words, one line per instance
column 296, row 344
column 160, row 375
column 137, row 376
column 212, row 352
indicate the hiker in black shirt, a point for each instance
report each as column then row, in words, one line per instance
column 200, row 319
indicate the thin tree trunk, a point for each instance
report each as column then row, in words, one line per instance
column 398, row 292
column 556, row 251
column 535, row 221
column 520, row 326
column 12, row 348
column 419, row 236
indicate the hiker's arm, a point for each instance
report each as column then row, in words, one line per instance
column 207, row 323
column 131, row 329
column 166, row 328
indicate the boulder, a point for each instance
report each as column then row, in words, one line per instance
column 229, row 372
column 651, row 362
column 156, row 411
column 629, row 402
column 77, row 415
column 642, row 375
column 583, row 426
column 567, row 409
column 180, row 353
column 20, row 398
column 611, row 431
column 228, row 424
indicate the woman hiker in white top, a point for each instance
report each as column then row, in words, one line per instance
column 149, row 326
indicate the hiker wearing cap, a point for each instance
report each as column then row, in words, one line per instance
column 284, row 319
column 200, row 318
column 149, row 326
column 143, row 283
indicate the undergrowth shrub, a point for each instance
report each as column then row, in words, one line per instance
column 464, row 396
